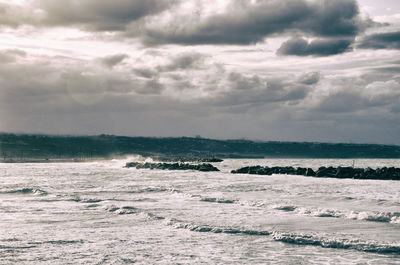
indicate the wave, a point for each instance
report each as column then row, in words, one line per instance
column 10, row 240
column 294, row 238
column 125, row 210
column 122, row 210
column 57, row 242
column 153, row 216
column 373, row 216
column 64, row 242
column 121, row 161
column 286, row 208
column 33, row 191
column 217, row 200
column 341, row 243
column 15, row 247
column 86, row 200
column 213, row 229
column 153, row 190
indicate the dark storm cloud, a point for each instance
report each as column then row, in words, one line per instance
column 251, row 23
column 388, row 40
column 90, row 15
column 99, row 15
column 320, row 47
column 242, row 23
column 111, row 61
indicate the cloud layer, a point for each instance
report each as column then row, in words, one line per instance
column 168, row 21
column 324, row 47
column 388, row 40
column 246, row 22
column 306, row 70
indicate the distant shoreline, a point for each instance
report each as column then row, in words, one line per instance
column 87, row 160
column 52, row 160
column 25, row 148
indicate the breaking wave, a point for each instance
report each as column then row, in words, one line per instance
column 341, row 243
column 122, row 210
column 372, row 216
column 33, row 191
column 57, row 242
column 152, row 190
column 294, row 238
column 125, row 210
column 385, row 217
column 217, row 200
column 214, row 229
column 77, row 199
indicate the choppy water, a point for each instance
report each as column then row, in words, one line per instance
column 102, row 213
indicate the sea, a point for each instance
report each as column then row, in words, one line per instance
column 100, row 212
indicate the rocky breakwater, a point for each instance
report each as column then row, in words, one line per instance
column 172, row 166
column 188, row 159
column 385, row 173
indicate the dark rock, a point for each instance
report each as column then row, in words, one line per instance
column 132, row 164
column 384, row 173
column 358, row 173
column 205, row 167
column 187, row 159
column 211, row 160
column 310, row 172
column 301, row 171
column 290, row 170
column 369, row 174
column 345, row 172
column 174, row 166
column 329, row 172
column 256, row 170
column 243, row 170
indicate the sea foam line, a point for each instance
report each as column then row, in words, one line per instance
column 372, row 216
column 294, row 238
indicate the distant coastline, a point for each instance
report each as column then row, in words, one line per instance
column 25, row 148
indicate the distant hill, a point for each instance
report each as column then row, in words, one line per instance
column 16, row 147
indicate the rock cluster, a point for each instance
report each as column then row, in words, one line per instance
column 384, row 173
column 211, row 160
column 188, row 159
column 173, row 166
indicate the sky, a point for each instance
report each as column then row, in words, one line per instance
column 271, row 70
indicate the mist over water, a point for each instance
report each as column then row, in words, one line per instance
column 103, row 213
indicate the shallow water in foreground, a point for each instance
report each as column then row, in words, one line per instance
column 102, row 213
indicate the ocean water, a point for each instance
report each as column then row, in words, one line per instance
column 103, row 213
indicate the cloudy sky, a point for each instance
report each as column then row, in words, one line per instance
column 289, row 70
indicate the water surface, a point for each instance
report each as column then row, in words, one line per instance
column 102, row 213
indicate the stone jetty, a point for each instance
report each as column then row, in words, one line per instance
column 172, row 166
column 385, row 173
